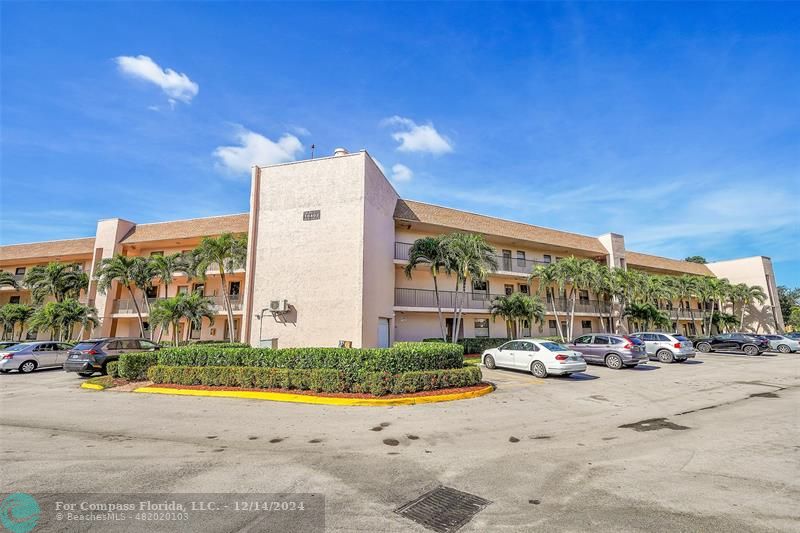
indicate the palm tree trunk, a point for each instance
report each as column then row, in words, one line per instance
column 555, row 313
column 454, row 336
column 138, row 312
column 439, row 307
column 571, row 323
column 227, row 301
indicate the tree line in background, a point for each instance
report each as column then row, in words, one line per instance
column 790, row 306
column 64, row 283
column 643, row 299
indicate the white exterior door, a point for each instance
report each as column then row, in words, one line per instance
column 383, row 333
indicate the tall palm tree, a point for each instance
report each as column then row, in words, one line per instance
column 61, row 280
column 516, row 308
column 431, row 251
column 643, row 314
column 504, row 307
column 164, row 267
column 14, row 314
column 46, row 318
column 225, row 253
column 470, row 257
column 7, row 279
column 546, row 274
column 168, row 312
column 576, row 273
column 194, row 308
column 124, row 270
column 142, row 275
column 684, row 287
column 750, row 294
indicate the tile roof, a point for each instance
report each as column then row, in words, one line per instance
column 408, row 210
column 84, row 246
column 184, row 229
column 663, row 263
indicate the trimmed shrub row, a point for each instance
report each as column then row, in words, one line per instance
column 479, row 344
column 317, row 379
column 112, row 369
column 353, row 363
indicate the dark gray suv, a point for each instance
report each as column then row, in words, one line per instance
column 88, row 357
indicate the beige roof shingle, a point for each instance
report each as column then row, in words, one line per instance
column 408, row 210
column 185, row 229
column 664, row 263
column 35, row 250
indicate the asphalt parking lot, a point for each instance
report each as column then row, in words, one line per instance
column 708, row 445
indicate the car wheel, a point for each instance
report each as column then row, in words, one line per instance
column 784, row 349
column 665, row 356
column 750, row 350
column 488, row 362
column 85, row 374
column 704, row 347
column 613, row 361
column 27, row 367
column 538, row 369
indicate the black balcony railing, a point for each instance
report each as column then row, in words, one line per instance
column 480, row 300
column 126, row 305
column 504, row 263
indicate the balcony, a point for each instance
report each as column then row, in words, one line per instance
column 481, row 301
column 504, row 263
column 127, row 307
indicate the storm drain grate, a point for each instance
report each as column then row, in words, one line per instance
column 443, row 509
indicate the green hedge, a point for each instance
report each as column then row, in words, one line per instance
column 353, row 363
column 112, row 369
column 133, row 366
column 317, row 379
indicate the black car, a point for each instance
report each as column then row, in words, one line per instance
column 736, row 342
column 88, row 357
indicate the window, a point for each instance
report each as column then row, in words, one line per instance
column 662, row 338
column 520, row 258
column 194, row 333
column 622, row 263
column 20, row 271
column 548, row 259
column 523, row 288
column 147, row 345
column 151, row 292
column 601, row 339
column 506, row 260
column 183, row 289
column 199, row 288
column 526, row 328
column 512, row 345
column 552, row 324
column 586, row 325
column 113, row 345
column 583, row 296
column 482, row 327
column 13, row 300
column 235, row 286
column 586, row 339
column 159, row 252
column 480, row 286
column 527, row 347
column 509, row 289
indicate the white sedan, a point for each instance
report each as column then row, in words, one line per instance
column 540, row 357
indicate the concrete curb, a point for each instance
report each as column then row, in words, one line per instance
column 92, row 386
column 319, row 400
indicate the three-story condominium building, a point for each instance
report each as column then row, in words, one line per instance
column 328, row 241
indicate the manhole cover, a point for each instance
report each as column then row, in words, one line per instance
column 443, row 509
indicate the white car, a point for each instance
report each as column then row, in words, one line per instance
column 540, row 357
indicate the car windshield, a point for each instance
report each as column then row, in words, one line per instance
column 635, row 340
column 18, row 347
column 84, row 346
column 553, row 346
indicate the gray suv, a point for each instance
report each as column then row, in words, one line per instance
column 666, row 347
column 88, row 357
column 614, row 351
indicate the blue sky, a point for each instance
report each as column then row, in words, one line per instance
column 677, row 125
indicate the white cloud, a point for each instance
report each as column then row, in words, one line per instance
column 300, row 130
column 418, row 138
column 255, row 149
column 401, row 173
column 176, row 85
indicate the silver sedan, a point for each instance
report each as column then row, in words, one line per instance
column 28, row 356
column 783, row 344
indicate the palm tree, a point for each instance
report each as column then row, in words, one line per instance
column 684, row 287
column 226, row 253
column 644, row 314
column 14, row 314
column 124, row 270
column 60, row 280
column 546, row 274
column 516, row 308
column 505, row 308
column 142, row 275
column 433, row 252
column 194, row 308
column 164, row 267
column 470, row 257
column 47, row 318
column 168, row 312
column 577, row 273
column 71, row 312
column 7, row 279
column 750, row 294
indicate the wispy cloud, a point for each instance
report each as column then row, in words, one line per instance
column 414, row 137
column 176, row 85
column 401, row 173
column 256, row 149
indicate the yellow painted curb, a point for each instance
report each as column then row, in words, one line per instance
column 92, row 386
column 322, row 400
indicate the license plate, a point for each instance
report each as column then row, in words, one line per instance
column 73, row 356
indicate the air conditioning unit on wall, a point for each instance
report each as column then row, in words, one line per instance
column 278, row 306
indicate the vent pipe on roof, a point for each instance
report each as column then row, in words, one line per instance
column 340, row 152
